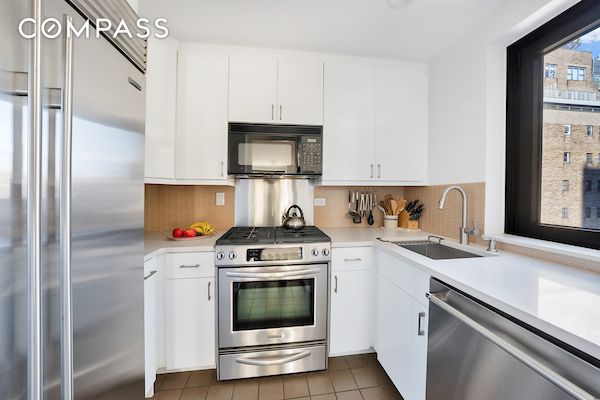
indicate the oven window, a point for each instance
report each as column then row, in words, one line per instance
column 273, row 304
column 267, row 155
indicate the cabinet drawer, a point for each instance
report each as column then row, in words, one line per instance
column 150, row 265
column 190, row 265
column 351, row 258
column 407, row 277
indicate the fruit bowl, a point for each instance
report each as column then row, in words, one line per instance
column 184, row 239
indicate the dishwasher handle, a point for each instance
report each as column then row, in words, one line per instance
column 555, row 378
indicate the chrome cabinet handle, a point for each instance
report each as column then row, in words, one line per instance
column 276, row 361
column 65, row 215
column 558, row 380
column 420, row 330
column 209, row 297
column 222, row 169
column 189, row 266
column 371, row 171
column 280, row 112
column 335, row 288
column 150, row 275
column 273, row 275
column 352, row 259
column 378, row 171
column 272, row 112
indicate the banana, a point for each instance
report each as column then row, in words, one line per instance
column 203, row 228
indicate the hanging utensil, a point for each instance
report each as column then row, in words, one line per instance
column 370, row 220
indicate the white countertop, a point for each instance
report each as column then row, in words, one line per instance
column 561, row 301
column 156, row 243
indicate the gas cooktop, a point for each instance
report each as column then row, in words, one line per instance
column 277, row 235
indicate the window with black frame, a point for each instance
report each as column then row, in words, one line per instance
column 553, row 130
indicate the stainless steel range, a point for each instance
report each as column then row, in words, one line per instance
column 272, row 298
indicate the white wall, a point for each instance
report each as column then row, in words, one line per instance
column 467, row 101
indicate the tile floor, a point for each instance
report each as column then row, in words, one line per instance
column 358, row 377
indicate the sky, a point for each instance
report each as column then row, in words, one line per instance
column 591, row 42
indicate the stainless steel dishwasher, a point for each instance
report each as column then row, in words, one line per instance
column 476, row 352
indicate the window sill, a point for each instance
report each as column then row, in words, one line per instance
column 549, row 247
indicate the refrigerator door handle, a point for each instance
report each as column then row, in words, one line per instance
column 34, row 212
column 65, row 150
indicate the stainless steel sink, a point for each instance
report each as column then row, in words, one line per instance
column 435, row 250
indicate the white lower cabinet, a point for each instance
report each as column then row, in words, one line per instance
column 350, row 312
column 401, row 324
column 150, row 324
column 190, row 323
column 401, row 341
column 351, row 301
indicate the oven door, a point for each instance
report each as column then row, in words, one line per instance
column 272, row 305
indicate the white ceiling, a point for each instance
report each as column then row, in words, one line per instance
column 416, row 32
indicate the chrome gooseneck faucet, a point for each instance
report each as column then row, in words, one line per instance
column 464, row 231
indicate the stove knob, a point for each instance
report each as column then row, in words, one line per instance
column 315, row 252
column 232, row 255
column 325, row 252
column 220, row 255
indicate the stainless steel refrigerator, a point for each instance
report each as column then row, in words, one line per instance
column 71, row 207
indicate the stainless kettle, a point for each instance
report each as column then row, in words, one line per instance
column 293, row 221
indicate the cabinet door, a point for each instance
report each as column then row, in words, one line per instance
column 190, row 320
column 150, row 329
column 350, row 312
column 401, row 339
column 349, row 122
column 401, row 125
column 202, row 113
column 300, row 90
column 252, row 87
column 161, row 93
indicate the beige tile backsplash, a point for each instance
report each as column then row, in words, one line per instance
column 167, row 207
column 170, row 206
column 447, row 222
column 335, row 213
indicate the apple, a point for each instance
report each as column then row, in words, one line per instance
column 178, row 233
column 189, row 233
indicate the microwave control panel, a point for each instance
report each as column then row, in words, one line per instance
column 311, row 154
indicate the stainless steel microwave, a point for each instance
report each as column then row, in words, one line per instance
column 275, row 150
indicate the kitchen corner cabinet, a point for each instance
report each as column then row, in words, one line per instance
column 351, row 304
column 401, row 324
column 161, row 93
column 269, row 88
column 375, row 129
column 190, row 311
column 202, row 86
column 150, row 324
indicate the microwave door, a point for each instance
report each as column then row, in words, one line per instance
column 267, row 156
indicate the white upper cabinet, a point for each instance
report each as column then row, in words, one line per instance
column 349, row 126
column 161, row 94
column 202, row 114
column 401, row 125
column 252, row 87
column 271, row 88
column 300, row 90
column 375, row 127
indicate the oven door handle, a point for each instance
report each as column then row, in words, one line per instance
column 273, row 275
column 273, row 361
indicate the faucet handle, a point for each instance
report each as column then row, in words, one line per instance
column 491, row 244
column 474, row 230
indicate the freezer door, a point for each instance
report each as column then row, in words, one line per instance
column 13, row 195
column 106, row 214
